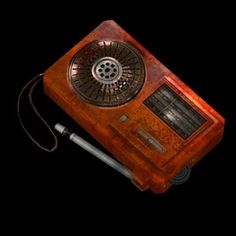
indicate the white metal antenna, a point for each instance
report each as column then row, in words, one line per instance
column 94, row 151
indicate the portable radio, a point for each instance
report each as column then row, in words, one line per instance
column 143, row 114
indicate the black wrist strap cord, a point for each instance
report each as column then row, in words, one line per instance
column 32, row 84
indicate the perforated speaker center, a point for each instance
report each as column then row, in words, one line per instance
column 107, row 73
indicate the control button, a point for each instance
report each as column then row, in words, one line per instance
column 124, row 118
column 151, row 140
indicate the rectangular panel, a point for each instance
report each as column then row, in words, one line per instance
column 175, row 111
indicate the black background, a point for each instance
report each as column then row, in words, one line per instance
column 191, row 40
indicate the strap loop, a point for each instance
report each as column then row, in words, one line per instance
column 33, row 82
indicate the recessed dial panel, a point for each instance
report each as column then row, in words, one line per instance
column 175, row 111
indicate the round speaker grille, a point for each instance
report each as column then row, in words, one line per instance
column 107, row 73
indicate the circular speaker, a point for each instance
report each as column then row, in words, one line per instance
column 107, row 73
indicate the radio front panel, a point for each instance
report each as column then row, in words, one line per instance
column 139, row 110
